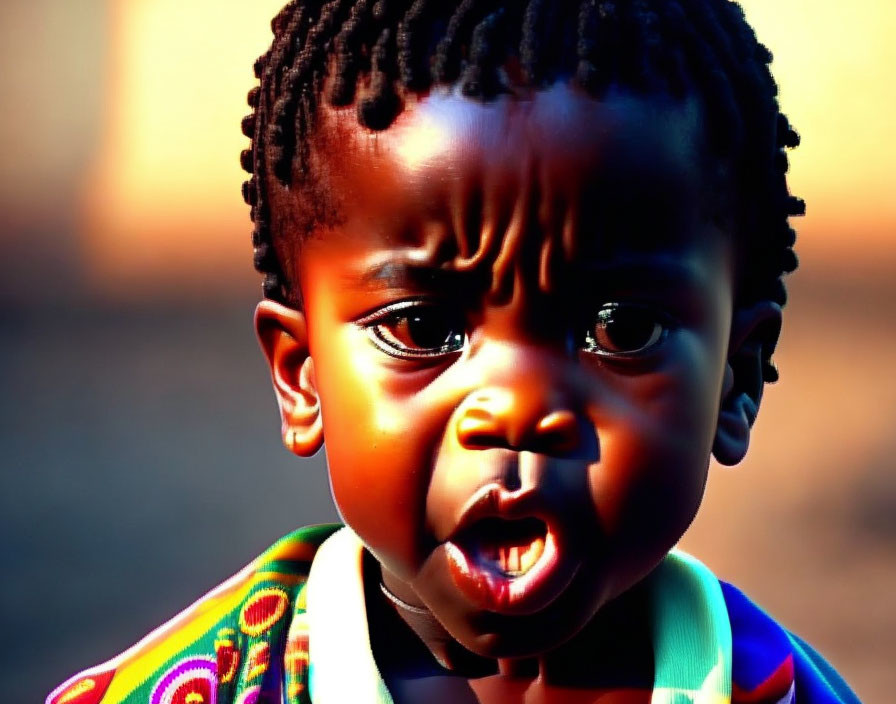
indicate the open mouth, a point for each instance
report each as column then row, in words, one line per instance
column 509, row 565
column 508, row 553
column 508, row 547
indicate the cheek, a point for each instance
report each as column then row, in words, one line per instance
column 379, row 440
column 655, row 438
column 648, row 484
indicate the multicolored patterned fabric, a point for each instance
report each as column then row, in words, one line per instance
column 242, row 642
column 291, row 628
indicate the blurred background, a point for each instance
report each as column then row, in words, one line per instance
column 139, row 442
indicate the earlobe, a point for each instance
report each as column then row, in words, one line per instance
column 736, row 417
column 754, row 334
column 283, row 336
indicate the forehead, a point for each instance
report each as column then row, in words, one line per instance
column 554, row 170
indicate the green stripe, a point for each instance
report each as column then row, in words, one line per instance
column 285, row 566
column 692, row 633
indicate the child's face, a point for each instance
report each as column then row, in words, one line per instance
column 518, row 332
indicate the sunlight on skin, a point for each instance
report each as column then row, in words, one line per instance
column 426, row 143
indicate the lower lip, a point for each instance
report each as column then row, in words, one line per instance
column 496, row 591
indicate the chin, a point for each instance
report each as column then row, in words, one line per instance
column 511, row 636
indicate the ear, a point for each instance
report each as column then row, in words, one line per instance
column 754, row 334
column 283, row 336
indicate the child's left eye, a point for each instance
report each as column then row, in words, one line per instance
column 623, row 330
column 417, row 331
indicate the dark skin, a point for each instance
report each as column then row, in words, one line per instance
column 522, row 344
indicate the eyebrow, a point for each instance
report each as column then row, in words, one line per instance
column 414, row 275
column 662, row 272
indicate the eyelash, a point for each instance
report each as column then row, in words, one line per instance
column 377, row 326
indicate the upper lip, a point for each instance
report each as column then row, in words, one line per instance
column 492, row 501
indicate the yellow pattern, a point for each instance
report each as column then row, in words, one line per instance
column 295, row 689
column 77, row 690
column 259, row 658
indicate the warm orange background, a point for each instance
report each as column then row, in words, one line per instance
column 119, row 190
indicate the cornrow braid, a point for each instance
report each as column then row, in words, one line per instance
column 379, row 109
column 537, row 20
column 412, row 40
column 375, row 52
column 348, row 44
column 481, row 76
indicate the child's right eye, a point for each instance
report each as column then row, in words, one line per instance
column 414, row 330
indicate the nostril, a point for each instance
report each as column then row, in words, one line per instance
column 479, row 429
column 558, row 420
column 474, row 426
column 558, row 432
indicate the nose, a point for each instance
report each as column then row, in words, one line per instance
column 528, row 409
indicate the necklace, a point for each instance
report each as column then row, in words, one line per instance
column 401, row 604
column 449, row 654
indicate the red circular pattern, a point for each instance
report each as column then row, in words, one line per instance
column 263, row 610
column 195, row 691
column 228, row 660
column 192, row 680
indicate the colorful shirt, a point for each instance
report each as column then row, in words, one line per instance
column 291, row 628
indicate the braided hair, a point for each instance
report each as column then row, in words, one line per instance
column 374, row 52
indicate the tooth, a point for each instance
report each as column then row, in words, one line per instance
column 525, row 554
column 511, row 559
column 532, row 554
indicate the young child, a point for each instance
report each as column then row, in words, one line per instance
column 523, row 273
